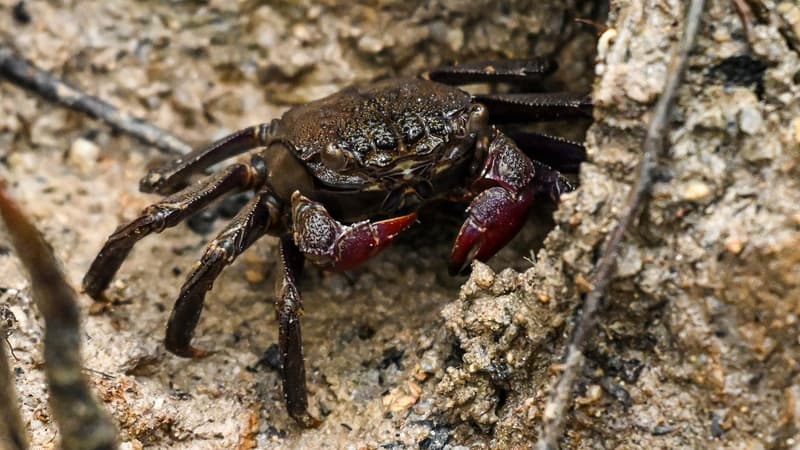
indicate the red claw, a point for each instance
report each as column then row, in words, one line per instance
column 333, row 245
column 495, row 217
column 363, row 240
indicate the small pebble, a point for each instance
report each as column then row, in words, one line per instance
column 696, row 190
column 750, row 120
column 429, row 362
column 397, row 400
column 253, row 276
column 437, row 439
column 796, row 133
column 131, row 445
column 734, row 245
column 370, row 45
column 482, row 275
column 660, row 430
column 83, row 154
column 593, row 394
column 186, row 97
column 721, row 35
column 414, row 388
column 403, row 402
column 761, row 150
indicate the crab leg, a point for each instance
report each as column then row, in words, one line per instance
column 508, row 186
column 166, row 213
column 163, row 180
column 332, row 245
column 559, row 153
column 505, row 108
column 288, row 307
column 251, row 223
column 505, row 70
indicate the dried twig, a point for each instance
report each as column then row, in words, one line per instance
column 747, row 18
column 82, row 421
column 22, row 73
column 12, row 432
column 560, row 398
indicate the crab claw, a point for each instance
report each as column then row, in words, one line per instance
column 495, row 217
column 333, row 245
column 363, row 240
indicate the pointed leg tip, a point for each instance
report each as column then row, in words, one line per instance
column 306, row 420
column 93, row 289
column 189, row 351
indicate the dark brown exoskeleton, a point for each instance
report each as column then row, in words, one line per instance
column 339, row 178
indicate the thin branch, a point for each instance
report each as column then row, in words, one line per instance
column 17, row 70
column 560, row 398
column 12, row 432
column 746, row 17
column 83, row 423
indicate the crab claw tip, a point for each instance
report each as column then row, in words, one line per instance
column 466, row 248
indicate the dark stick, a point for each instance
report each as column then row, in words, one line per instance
column 555, row 410
column 83, row 423
column 747, row 18
column 17, row 70
column 12, row 432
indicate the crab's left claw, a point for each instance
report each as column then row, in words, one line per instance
column 494, row 218
column 508, row 184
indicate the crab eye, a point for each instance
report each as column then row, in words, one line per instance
column 334, row 157
column 478, row 117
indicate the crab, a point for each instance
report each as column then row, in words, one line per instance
column 338, row 179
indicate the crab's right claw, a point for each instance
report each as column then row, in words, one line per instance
column 333, row 245
column 494, row 218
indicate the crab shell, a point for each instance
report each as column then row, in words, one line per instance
column 380, row 149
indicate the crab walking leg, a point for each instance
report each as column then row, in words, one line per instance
column 288, row 308
column 505, row 70
column 251, row 223
column 561, row 154
column 332, row 245
column 164, row 179
column 538, row 106
column 166, row 213
column 508, row 184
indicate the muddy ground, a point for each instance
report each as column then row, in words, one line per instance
column 699, row 343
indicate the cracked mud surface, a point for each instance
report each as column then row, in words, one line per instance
column 699, row 344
